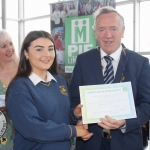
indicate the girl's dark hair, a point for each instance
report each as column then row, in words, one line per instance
column 24, row 67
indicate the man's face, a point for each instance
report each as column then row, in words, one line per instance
column 108, row 31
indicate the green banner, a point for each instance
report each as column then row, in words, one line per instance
column 79, row 38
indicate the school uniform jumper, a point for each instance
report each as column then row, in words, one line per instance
column 40, row 114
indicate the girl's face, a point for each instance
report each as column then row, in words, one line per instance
column 71, row 5
column 64, row 7
column 89, row 1
column 56, row 7
column 40, row 54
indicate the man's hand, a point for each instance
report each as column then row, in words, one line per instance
column 109, row 123
column 85, row 126
column 77, row 110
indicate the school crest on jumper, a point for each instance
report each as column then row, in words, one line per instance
column 63, row 90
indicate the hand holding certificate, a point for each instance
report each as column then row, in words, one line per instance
column 114, row 100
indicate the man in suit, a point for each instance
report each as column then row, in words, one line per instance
column 111, row 134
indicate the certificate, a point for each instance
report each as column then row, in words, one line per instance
column 115, row 100
column 2, row 100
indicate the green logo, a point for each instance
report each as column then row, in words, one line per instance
column 81, row 39
column 124, row 89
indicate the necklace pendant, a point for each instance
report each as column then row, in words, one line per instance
column 3, row 140
column 4, row 86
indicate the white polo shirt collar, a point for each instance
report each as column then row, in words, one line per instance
column 36, row 79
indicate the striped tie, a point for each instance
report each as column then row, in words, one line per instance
column 109, row 71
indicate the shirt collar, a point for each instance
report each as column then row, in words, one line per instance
column 36, row 79
column 115, row 55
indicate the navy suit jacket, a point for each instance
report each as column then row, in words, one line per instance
column 135, row 68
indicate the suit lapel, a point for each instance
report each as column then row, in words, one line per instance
column 97, row 67
column 121, row 66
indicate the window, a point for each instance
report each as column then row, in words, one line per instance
column 120, row 0
column 12, row 28
column 144, row 26
column 55, row 1
column 127, row 12
column 35, row 8
column 0, row 23
column 12, row 9
column 40, row 24
column 0, row 8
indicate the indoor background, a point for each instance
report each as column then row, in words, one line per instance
column 19, row 17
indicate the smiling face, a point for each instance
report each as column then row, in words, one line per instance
column 89, row 1
column 64, row 7
column 56, row 7
column 41, row 55
column 72, row 5
column 59, row 38
column 7, row 51
column 108, row 31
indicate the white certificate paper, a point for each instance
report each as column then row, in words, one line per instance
column 115, row 100
column 2, row 100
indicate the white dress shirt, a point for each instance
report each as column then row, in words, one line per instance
column 115, row 62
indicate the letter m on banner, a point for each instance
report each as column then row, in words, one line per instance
column 80, row 31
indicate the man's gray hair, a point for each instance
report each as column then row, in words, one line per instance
column 106, row 10
column 4, row 36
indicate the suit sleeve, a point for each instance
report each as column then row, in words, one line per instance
column 76, row 81
column 142, row 99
